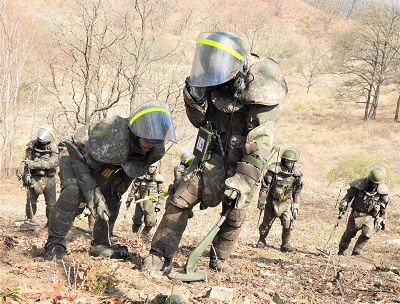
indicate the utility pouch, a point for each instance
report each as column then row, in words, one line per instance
column 203, row 141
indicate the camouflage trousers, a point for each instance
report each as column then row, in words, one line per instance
column 357, row 222
column 205, row 187
column 145, row 212
column 45, row 185
column 269, row 218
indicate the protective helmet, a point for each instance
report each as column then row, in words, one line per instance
column 156, row 164
column 218, row 57
column 186, row 156
column 152, row 121
column 291, row 154
column 377, row 173
column 45, row 133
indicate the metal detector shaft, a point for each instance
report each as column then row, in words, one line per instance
column 30, row 205
column 196, row 253
column 330, row 236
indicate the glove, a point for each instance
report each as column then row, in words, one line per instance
column 137, row 196
column 342, row 206
column 29, row 163
column 129, row 202
column 295, row 213
column 100, row 205
column 27, row 181
column 231, row 194
column 197, row 93
column 262, row 201
column 379, row 223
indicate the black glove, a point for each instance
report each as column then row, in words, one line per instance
column 27, row 181
column 129, row 202
column 100, row 205
column 262, row 201
column 197, row 93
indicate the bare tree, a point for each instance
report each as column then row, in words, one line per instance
column 86, row 71
column 370, row 52
column 313, row 64
column 15, row 48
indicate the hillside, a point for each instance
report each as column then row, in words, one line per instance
column 329, row 134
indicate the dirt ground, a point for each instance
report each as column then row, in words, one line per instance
column 261, row 275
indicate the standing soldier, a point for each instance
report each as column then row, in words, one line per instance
column 145, row 185
column 369, row 197
column 99, row 165
column 41, row 162
column 235, row 106
column 279, row 197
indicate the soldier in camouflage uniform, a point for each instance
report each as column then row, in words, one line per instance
column 368, row 197
column 279, row 197
column 237, row 103
column 145, row 185
column 41, row 162
column 99, row 165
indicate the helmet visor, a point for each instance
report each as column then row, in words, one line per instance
column 153, row 121
column 217, row 59
column 45, row 134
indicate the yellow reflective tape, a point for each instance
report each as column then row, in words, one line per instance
column 107, row 172
column 149, row 110
column 189, row 159
column 220, row 46
column 48, row 129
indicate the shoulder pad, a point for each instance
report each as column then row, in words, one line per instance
column 159, row 178
column 359, row 184
column 297, row 172
column 53, row 147
column 32, row 144
column 274, row 167
column 269, row 85
column 382, row 189
column 109, row 140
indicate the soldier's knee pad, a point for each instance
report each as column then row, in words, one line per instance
column 69, row 199
column 230, row 229
column 366, row 232
column 176, row 218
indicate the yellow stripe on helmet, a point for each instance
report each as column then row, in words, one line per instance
column 149, row 110
column 188, row 159
column 48, row 129
column 220, row 46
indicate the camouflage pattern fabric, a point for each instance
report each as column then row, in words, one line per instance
column 237, row 122
column 108, row 174
column 44, row 168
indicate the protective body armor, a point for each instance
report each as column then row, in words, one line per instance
column 243, row 129
column 44, row 155
column 283, row 183
column 364, row 201
column 148, row 184
column 104, row 154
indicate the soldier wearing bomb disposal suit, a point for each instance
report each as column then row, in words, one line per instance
column 146, row 211
column 41, row 163
column 280, row 197
column 369, row 197
column 97, row 168
column 235, row 102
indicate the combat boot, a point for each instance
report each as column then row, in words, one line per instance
column 135, row 228
column 360, row 244
column 287, row 248
column 155, row 261
column 220, row 265
column 340, row 252
column 55, row 250
column 262, row 243
column 108, row 251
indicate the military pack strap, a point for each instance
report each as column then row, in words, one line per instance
column 190, row 193
column 254, row 161
column 249, row 170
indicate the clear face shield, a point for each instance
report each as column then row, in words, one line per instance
column 152, row 121
column 218, row 58
column 45, row 134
